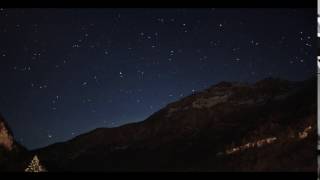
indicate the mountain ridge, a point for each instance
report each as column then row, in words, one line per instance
column 187, row 123
column 222, row 83
column 257, row 122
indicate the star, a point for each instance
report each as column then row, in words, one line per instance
column 307, row 44
column 161, row 20
column 76, row 46
column 121, row 75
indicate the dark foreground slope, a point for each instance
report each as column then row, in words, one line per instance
column 266, row 126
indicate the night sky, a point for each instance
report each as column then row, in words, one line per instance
column 65, row 72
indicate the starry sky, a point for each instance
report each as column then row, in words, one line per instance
column 65, row 72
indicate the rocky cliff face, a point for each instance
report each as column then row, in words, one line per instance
column 6, row 137
column 266, row 126
column 13, row 156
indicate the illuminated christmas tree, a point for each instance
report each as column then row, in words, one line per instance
column 35, row 166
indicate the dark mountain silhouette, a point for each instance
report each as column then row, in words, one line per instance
column 266, row 126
